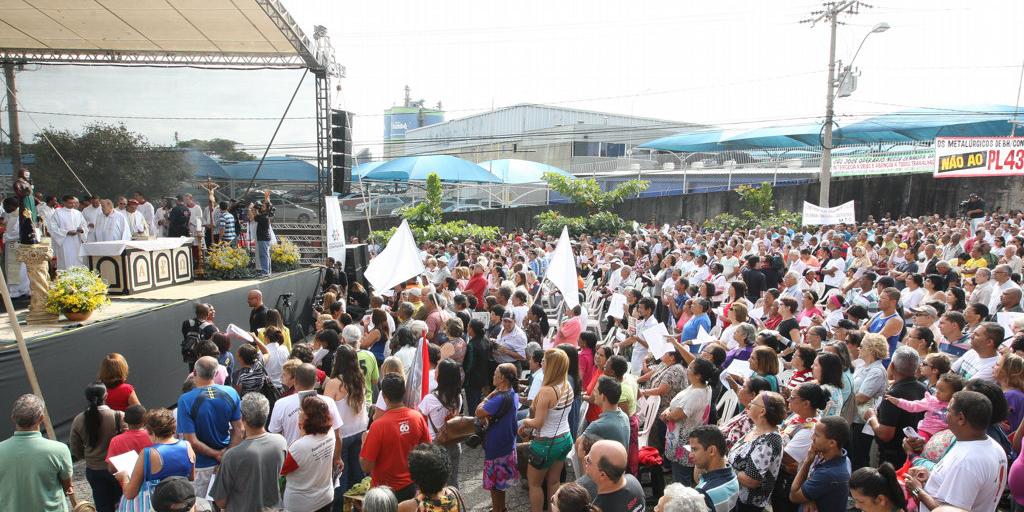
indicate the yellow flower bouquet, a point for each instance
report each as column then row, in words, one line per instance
column 284, row 255
column 224, row 261
column 76, row 290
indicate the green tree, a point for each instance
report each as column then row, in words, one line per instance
column 759, row 210
column 226, row 149
column 587, row 191
column 427, row 212
column 109, row 159
column 760, row 201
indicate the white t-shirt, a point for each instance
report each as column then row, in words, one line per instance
column 729, row 265
column 972, row 366
column 911, row 298
column 285, row 418
column 837, row 279
column 519, row 312
column 636, row 362
column 311, row 486
column 435, row 413
column 970, row 476
column 798, row 446
column 275, row 361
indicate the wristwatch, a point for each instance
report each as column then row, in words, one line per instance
column 915, row 493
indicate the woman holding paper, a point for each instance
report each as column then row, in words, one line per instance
column 169, row 456
column 701, row 309
column 789, row 326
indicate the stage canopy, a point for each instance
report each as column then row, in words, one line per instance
column 170, row 32
column 913, row 125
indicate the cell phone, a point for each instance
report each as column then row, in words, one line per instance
column 910, row 432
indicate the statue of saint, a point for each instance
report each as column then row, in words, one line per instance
column 27, row 208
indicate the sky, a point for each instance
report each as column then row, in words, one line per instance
column 728, row 62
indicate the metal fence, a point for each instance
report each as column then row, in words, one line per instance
column 309, row 237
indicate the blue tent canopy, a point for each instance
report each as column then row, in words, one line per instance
column 512, row 171
column 205, row 166
column 275, row 168
column 913, row 125
column 360, row 170
column 417, row 168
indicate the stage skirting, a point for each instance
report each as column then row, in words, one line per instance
column 150, row 340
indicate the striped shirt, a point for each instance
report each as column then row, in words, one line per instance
column 226, row 222
column 720, row 488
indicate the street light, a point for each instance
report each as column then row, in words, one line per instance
column 833, row 85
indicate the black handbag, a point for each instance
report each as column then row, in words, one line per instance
column 538, row 461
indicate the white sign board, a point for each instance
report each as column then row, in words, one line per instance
column 964, row 157
column 815, row 215
column 335, row 230
column 655, row 338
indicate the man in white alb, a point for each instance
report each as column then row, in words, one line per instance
column 68, row 230
column 137, row 224
column 148, row 212
column 91, row 212
column 15, row 271
column 111, row 224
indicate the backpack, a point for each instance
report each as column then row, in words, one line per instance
column 270, row 391
column 193, row 336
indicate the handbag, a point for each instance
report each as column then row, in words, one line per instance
column 480, row 434
column 535, row 459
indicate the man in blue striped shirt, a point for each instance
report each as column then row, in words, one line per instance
column 226, row 225
column 718, row 482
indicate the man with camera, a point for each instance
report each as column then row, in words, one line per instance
column 974, row 209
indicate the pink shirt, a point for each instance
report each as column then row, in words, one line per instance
column 568, row 332
column 935, row 412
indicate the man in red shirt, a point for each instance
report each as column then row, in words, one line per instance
column 135, row 438
column 477, row 285
column 392, row 436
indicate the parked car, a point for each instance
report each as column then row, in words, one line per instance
column 285, row 210
column 382, row 205
column 463, row 208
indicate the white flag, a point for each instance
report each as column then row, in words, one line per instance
column 562, row 270
column 397, row 263
column 335, row 230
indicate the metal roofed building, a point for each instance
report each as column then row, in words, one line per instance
column 568, row 138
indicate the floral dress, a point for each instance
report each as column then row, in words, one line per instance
column 736, row 428
column 673, row 375
column 759, row 459
column 696, row 404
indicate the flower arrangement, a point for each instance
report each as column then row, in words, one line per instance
column 76, row 290
column 284, row 255
column 224, row 261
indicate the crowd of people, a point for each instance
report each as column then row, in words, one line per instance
column 876, row 366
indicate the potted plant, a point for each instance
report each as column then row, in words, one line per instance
column 224, row 261
column 76, row 293
column 284, row 255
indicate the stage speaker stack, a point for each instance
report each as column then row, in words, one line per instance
column 341, row 150
column 357, row 256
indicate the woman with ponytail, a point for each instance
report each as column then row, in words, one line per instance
column 877, row 490
column 91, row 432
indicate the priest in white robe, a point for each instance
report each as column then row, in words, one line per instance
column 15, row 271
column 68, row 231
column 91, row 212
column 112, row 224
column 138, row 226
column 148, row 212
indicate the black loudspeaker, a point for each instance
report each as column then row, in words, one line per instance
column 341, row 150
column 357, row 256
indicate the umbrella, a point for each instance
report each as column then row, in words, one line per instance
column 417, row 168
column 516, row 172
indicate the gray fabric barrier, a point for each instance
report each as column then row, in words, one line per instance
column 151, row 342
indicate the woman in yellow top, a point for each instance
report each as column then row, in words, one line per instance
column 274, row 320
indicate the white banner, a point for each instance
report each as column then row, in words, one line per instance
column 921, row 160
column 335, row 230
column 964, row 157
column 815, row 215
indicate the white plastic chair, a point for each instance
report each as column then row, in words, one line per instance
column 727, row 405
column 648, row 412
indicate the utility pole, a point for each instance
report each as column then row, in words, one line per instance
column 12, row 114
column 830, row 14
